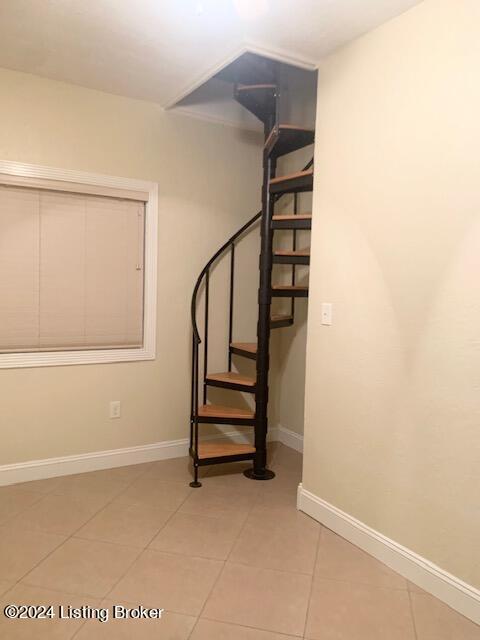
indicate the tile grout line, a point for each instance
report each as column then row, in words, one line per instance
column 242, row 528
column 9, row 521
column 171, row 512
column 42, row 496
column 317, row 551
column 60, row 495
column 140, row 550
column 68, row 537
column 254, row 503
column 379, row 587
column 261, row 629
column 224, row 565
column 412, row 613
column 50, row 493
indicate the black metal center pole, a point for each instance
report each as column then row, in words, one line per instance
column 260, row 471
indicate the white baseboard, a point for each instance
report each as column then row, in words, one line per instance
column 67, row 465
column 459, row 595
column 290, row 438
column 97, row 460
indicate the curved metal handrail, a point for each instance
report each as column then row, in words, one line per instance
column 215, row 257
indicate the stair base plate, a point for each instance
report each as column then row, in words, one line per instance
column 250, row 473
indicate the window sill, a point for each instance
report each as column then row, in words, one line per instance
column 66, row 358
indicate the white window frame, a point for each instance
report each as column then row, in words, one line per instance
column 98, row 356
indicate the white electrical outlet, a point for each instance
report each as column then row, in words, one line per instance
column 115, row 409
column 327, row 313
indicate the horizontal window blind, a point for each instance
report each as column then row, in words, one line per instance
column 71, row 270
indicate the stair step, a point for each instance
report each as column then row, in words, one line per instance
column 231, row 380
column 301, row 221
column 217, row 414
column 298, row 256
column 278, row 321
column 289, row 291
column 259, row 99
column 288, row 138
column 224, row 449
column 292, row 183
column 245, row 349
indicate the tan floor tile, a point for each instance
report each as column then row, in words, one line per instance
column 96, row 484
column 21, row 550
column 287, row 543
column 231, row 476
column 171, row 626
column 5, row 586
column 219, row 502
column 260, row 598
column 279, row 502
column 287, row 458
column 272, row 448
column 49, row 628
column 149, row 491
column 59, row 514
column 174, row 470
column 45, row 486
column 172, row 582
column 126, row 474
column 284, row 480
column 340, row 560
column 347, row 611
column 211, row 630
column 130, row 524
column 434, row 620
column 284, row 517
column 414, row 588
column 83, row 567
column 14, row 500
column 197, row 536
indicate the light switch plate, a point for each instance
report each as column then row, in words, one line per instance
column 327, row 313
column 115, row 409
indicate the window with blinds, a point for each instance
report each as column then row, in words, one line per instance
column 71, row 270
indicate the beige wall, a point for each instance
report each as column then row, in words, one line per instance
column 208, row 178
column 392, row 398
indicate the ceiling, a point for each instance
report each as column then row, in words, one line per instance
column 160, row 50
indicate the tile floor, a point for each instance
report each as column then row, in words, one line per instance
column 231, row 561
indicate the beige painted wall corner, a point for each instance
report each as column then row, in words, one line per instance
column 392, row 405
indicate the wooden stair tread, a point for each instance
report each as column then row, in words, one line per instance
column 295, row 127
column 292, row 176
column 232, row 376
column 218, row 411
column 291, row 252
column 289, row 287
column 300, row 216
column 254, row 87
column 220, row 449
column 251, row 347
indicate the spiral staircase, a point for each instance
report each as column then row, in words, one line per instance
column 261, row 87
